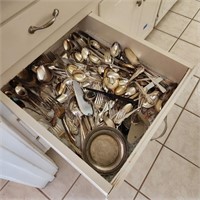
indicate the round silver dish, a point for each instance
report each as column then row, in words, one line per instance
column 105, row 150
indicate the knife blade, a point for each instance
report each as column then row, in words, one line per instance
column 84, row 106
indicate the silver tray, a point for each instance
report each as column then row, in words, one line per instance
column 105, row 149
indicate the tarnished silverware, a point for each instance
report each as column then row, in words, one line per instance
column 59, row 112
column 156, row 81
column 84, row 106
column 60, row 132
column 24, row 94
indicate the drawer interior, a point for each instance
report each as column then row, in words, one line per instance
column 167, row 71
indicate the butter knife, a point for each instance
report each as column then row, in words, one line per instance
column 84, row 106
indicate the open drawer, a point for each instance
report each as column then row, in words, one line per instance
column 157, row 60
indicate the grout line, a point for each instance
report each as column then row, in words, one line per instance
column 136, row 190
column 185, row 104
column 191, row 19
column 43, row 193
column 131, row 185
column 163, row 145
column 71, row 186
column 181, row 14
column 169, row 35
column 165, row 32
column 197, row 76
column 180, row 36
column 185, row 109
column 192, row 113
column 149, row 171
column 4, row 186
column 180, row 155
column 184, row 31
column 141, row 194
column 190, row 42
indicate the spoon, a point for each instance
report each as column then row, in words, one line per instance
column 23, row 93
column 85, row 52
column 107, row 57
column 115, row 49
column 44, row 74
column 130, row 55
column 67, row 45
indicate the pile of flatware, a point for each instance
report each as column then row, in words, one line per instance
column 85, row 84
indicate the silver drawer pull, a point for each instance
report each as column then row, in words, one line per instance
column 32, row 29
column 139, row 3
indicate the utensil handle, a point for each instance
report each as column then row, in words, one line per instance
column 32, row 29
column 114, row 96
column 71, row 138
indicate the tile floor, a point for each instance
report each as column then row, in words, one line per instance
column 169, row 168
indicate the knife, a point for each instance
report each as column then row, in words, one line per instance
column 84, row 106
column 114, row 96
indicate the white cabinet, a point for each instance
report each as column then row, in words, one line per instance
column 125, row 15
column 148, row 16
column 135, row 17
column 10, row 8
column 159, row 61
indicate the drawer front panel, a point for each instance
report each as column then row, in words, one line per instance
column 147, row 54
column 17, row 41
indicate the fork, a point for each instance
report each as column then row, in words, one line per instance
column 122, row 112
column 57, row 130
column 98, row 102
column 99, row 98
column 59, row 111
column 60, row 133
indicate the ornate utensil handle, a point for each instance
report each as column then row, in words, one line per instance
column 32, row 29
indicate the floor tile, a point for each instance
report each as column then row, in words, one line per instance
column 185, row 137
column 171, row 119
column 197, row 17
column 16, row 191
column 172, row 177
column 143, row 164
column 193, row 103
column 84, row 190
column 65, row 177
column 186, row 8
column 169, row 24
column 140, row 197
column 183, row 50
column 124, row 192
column 161, row 39
column 2, row 183
column 187, row 92
column 192, row 33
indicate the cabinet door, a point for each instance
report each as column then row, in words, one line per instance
column 123, row 14
column 148, row 17
column 135, row 17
